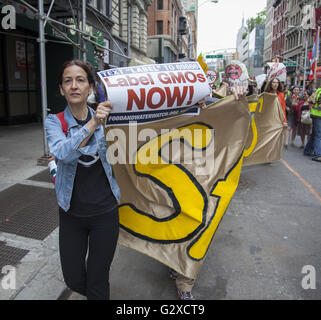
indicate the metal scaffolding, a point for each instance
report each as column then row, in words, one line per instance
column 45, row 18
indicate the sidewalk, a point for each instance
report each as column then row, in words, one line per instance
column 28, row 223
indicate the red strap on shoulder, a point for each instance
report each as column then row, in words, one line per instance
column 64, row 124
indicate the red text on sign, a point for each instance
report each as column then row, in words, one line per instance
column 163, row 95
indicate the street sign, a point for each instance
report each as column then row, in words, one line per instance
column 290, row 64
column 217, row 56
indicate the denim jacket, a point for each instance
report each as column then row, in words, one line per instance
column 66, row 151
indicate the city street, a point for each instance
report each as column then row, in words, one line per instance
column 270, row 231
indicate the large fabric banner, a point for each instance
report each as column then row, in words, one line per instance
column 266, row 135
column 172, row 201
column 178, row 175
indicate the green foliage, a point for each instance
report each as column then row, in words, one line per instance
column 259, row 19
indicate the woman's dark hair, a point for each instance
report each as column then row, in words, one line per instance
column 79, row 63
column 294, row 88
column 269, row 86
column 250, row 90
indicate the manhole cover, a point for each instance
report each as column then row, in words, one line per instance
column 43, row 176
column 28, row 211
column 10, row 256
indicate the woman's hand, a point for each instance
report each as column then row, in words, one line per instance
column 238, row 92
column 102, row 111
column 201, row 104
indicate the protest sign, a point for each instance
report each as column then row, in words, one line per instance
column 260, row 80
column 277, row 70
column 151, row 92
column 236, row 74
column 211, row 76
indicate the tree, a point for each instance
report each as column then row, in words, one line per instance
column 250, row 23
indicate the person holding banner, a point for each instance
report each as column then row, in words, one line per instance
column 87, row 192
column 275, row 86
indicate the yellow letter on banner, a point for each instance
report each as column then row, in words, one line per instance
column 223, row 191
column 188, row 196
column 253, row 105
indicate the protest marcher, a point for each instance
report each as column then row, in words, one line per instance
column 275, row 86
column 313, row 147
column 287, row 92
column 304, row 129
column 252, row 88
column 87, row 192
column 292, row 103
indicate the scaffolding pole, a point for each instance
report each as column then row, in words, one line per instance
column 43, row 75
column 84, row 34
column 84, row 22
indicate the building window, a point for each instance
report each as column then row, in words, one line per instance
column 99, row 5
column 159, row 26
column 159, row 4
column 168, row 28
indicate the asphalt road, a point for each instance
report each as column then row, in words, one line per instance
column 270, row 232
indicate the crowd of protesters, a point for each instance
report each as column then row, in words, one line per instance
column 302, row 110
column 303, row 119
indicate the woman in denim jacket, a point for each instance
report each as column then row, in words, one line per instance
column 87, row 192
